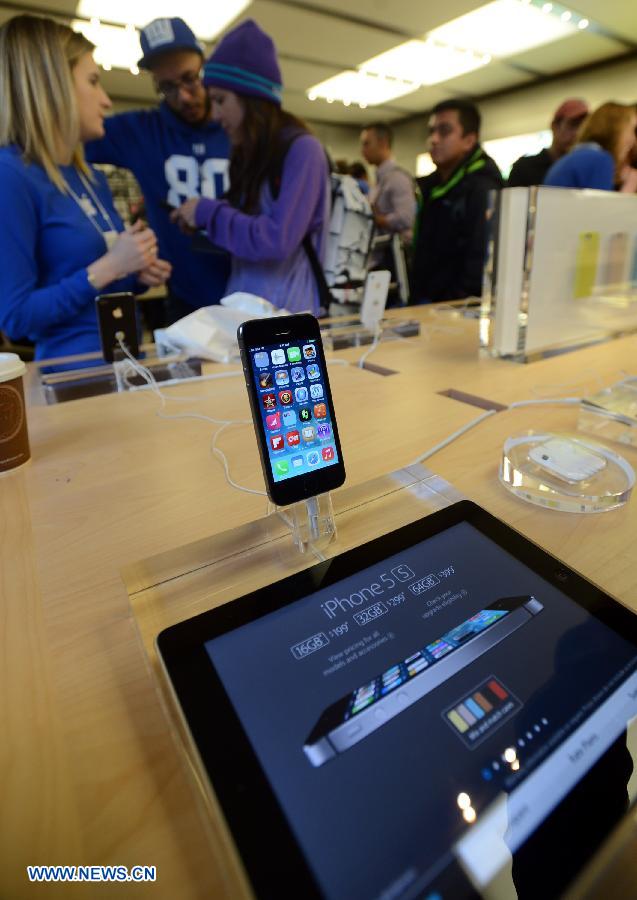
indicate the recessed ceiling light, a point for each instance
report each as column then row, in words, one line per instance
column 207, row 20
column 503, row 28
column 424, row 62
column 360, row 88
column 115, row 47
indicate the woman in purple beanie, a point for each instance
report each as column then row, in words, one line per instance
column 279, row 192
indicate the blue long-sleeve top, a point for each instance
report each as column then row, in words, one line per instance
column 172, row 161
column 586, row 166
column 268, row 258
column 46, row 244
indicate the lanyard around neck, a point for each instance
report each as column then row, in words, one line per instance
column 84, row 202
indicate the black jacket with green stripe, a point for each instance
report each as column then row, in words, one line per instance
column 451, row 230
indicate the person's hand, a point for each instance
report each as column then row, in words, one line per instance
column 135, row 249
column 157, row 273
column 628, row 180
column 381, row 221
column 184, row 216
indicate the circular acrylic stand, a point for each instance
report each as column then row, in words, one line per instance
column 608, row 488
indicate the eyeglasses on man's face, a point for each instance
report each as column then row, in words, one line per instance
column 189, row 81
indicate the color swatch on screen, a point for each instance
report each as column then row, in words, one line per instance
column 481, row 711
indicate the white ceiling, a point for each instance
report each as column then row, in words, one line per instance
column 319, row 38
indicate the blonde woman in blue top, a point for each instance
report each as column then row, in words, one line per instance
column 600, row 159
column 62, row 242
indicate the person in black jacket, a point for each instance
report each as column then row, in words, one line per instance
column 451, row 226
column 567, row 121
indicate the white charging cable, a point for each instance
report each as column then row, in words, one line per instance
column 453, row 437
column 150, row 380
column 371, row 348
column 557, row 401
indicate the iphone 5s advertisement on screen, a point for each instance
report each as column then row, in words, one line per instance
column 292, row 407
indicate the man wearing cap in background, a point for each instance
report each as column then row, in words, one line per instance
column 175, row 152
column 566, row 123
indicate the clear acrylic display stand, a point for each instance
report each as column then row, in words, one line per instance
column 87, row 375
column 561, row 270
column 191, row 579
column 350, row 332
column 311, row 522
column 612, row 413
column 608, row 488
column 166, row 370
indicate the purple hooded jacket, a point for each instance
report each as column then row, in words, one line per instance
column 268, row 258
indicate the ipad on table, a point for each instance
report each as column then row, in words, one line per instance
column 441, row 706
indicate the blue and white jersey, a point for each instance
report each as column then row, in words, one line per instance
column 172, row 161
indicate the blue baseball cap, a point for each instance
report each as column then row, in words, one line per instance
column 164, row 36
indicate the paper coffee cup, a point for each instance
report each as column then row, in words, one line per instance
column 14, row 438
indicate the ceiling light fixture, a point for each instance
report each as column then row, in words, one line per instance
column 505, row 27
column 362, row 88
column 207, row 20
column 115, row 47
column 500, row 29
column 426, row 62
column 397, row 72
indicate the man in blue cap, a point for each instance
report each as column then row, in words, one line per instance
column 175, row 152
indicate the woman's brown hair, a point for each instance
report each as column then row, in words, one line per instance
column 604, row 126
column 266, row 131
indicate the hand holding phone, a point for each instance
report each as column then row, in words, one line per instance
column 292, row 407
column 184, row 215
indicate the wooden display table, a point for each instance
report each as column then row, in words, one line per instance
column 91, row 773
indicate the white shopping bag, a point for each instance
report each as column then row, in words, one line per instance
column 211, row 332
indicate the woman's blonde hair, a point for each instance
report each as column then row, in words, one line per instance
column 37, row 96
column 604, row 126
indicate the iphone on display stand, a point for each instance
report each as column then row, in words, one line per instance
column 117, row 320
column 375, row 298
column 292, row 407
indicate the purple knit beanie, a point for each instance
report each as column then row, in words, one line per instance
column 245, row 62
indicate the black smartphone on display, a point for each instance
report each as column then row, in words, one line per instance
column 117, row 320
column 292, row 408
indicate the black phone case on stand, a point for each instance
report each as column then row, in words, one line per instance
column 294, row 328
column 117, row 320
